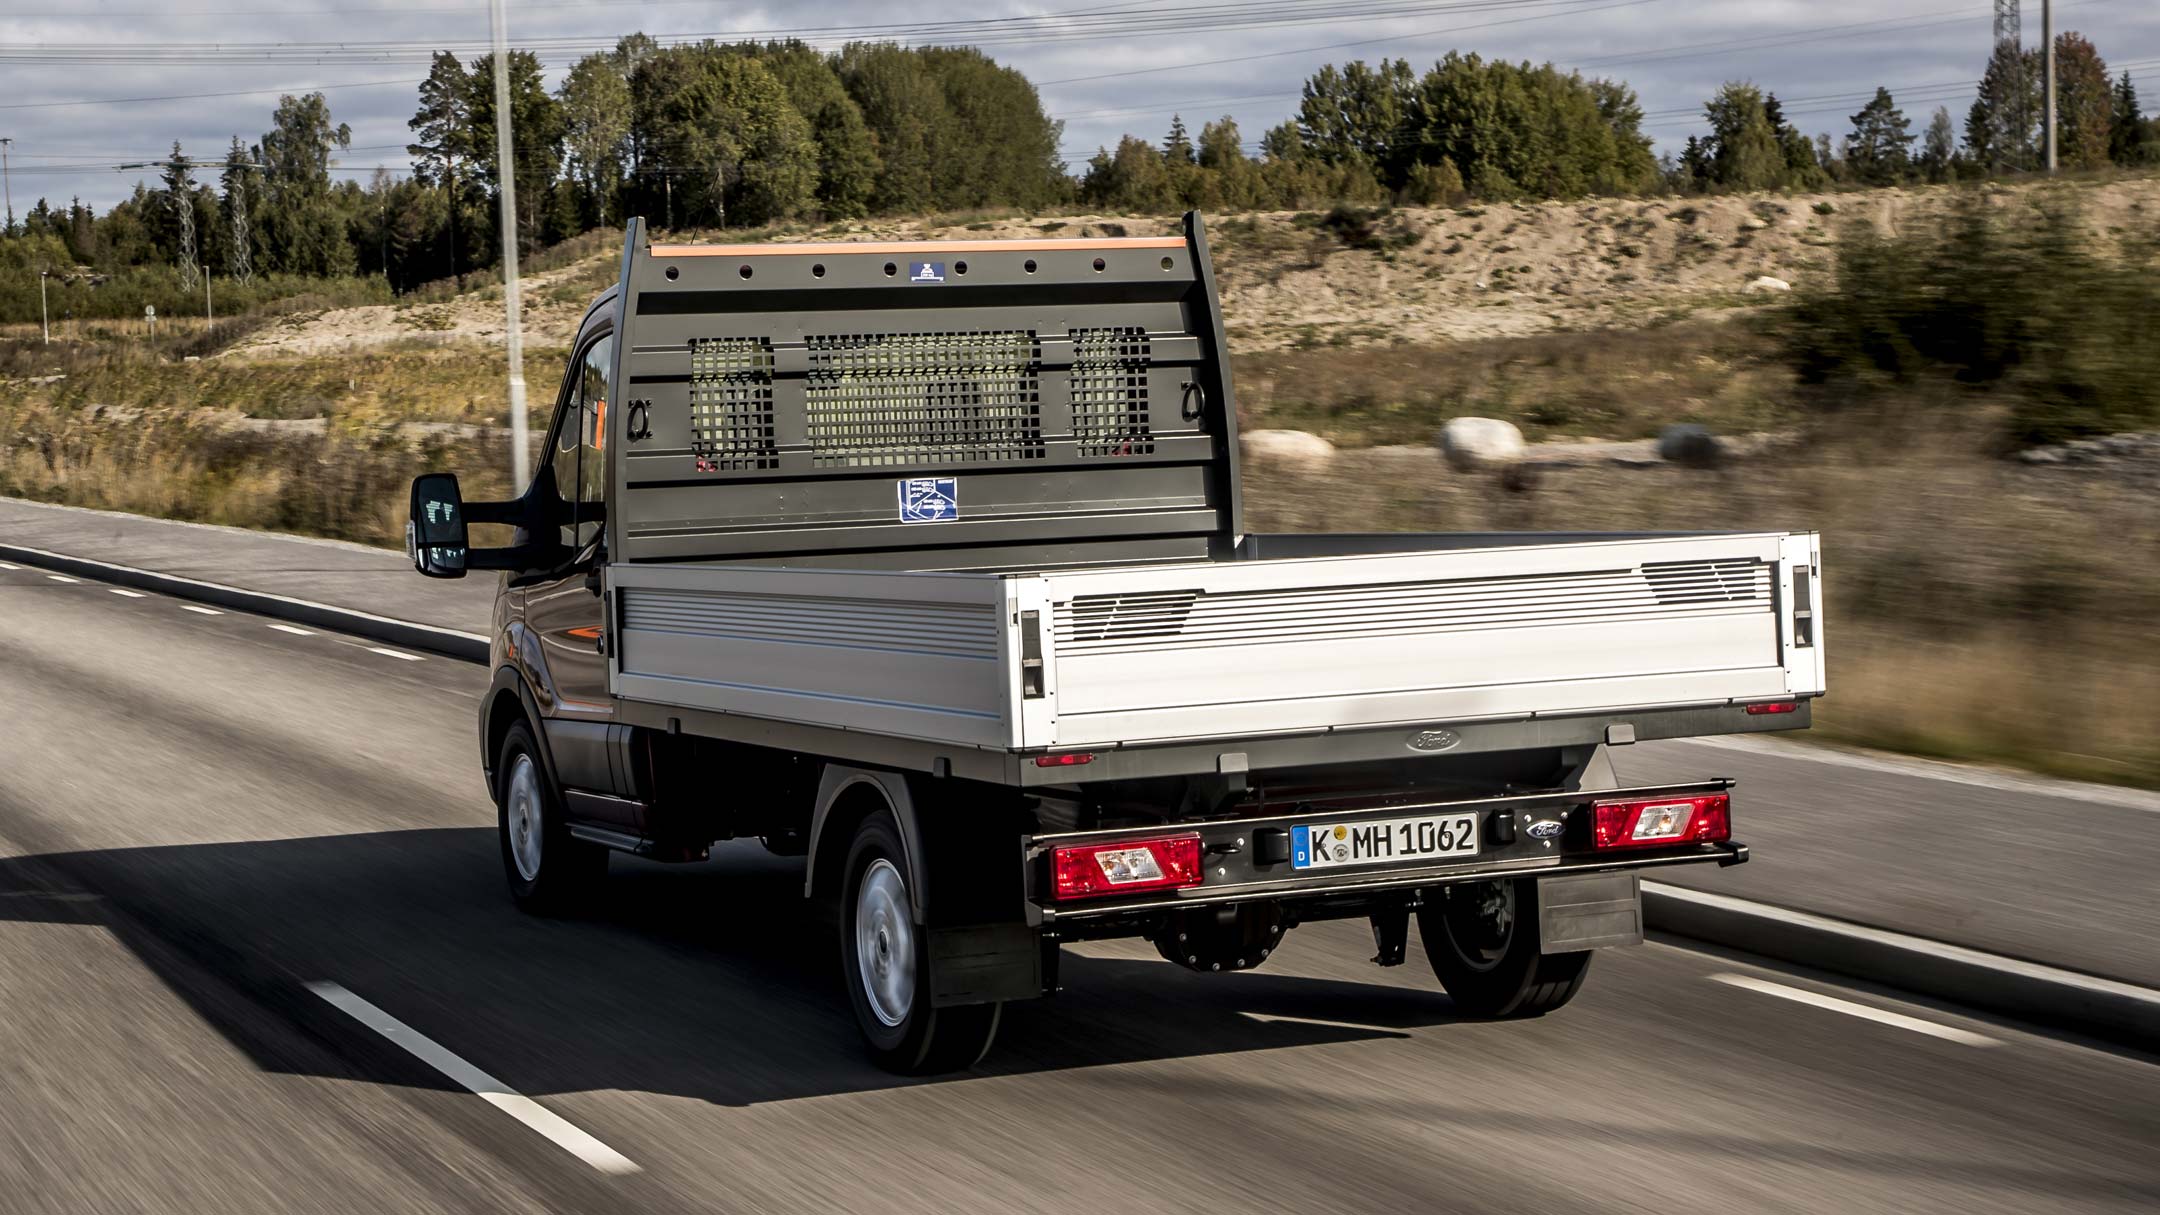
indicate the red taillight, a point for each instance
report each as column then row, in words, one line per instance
column 1067, row 760
column 1662, row 822
column 1086, row 871
column 1775, row 706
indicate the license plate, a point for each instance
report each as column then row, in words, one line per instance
column 1378, row 841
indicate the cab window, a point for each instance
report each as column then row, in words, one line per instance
column 595, row 395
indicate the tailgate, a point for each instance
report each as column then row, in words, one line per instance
column 1282, row 646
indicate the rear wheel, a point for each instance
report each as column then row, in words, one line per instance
column 1482, row 941
column 885, row 963
column 548, row 870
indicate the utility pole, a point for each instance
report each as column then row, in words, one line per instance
column 2047, row 39
column 209, row 317
column 44, row 317
column 506, row 181
column 7, row 184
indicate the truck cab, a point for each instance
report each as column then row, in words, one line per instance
column 926, row 563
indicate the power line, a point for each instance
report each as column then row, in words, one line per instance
column 1082, row 26
column 296, row 89
column 1337, row 46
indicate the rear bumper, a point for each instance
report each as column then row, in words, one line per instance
column 1235, row 874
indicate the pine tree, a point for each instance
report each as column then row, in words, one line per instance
column 2128, row 135
column 1880, row 147
column 1177, row 145
column 2000, row 127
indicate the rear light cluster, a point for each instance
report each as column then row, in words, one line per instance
column 1086, row 871
column 1773, row 706
column 1662, row 822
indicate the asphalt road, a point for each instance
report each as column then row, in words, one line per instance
column 202, row 814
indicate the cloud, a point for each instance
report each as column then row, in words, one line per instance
column 1821, row 55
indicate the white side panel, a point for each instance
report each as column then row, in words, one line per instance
column 1275, row 646
column 909, row 655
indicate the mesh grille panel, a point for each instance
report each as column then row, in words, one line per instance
column 1110, row 392
column 731, row 404
column 924, row 398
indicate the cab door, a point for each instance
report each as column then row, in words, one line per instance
column 564, row 609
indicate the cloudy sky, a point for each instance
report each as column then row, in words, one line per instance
column 90, row 84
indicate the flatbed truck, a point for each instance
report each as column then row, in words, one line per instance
column 926, row 563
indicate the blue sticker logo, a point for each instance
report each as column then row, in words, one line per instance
column 1545, row 829
column 929, row 499
column 926, row 272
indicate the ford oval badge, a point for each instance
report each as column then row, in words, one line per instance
column 1545, row 828
column 1434, row 740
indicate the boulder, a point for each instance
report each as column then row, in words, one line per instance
column 1691, row 445
column 1474, row 443
column 1767, row 285
column 1288, row 446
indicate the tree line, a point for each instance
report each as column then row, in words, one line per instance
column 741, row 134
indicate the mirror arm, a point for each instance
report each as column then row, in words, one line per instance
column 513, row 558
column 513, row 512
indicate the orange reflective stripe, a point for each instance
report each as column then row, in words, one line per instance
column 836, row 248
column 599, row 426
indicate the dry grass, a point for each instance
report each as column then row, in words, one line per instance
column 1619, row 384
column 1975, row 608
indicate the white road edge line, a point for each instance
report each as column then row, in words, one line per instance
column 389, row 653
column 1864, row 1012
column 1915, row 768
column 294, row 629
column 526, row 1110
column 203, row 611
column 128, row 593
column 62, row 578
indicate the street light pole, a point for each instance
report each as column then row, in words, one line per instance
column 506, row 182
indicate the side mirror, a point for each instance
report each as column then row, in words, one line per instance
column 435, row 531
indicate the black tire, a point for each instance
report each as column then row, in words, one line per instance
column 905, row 1033
column 1482, row 941
column 560, row 873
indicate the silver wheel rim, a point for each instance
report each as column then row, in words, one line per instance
column 885, row 943
column 521, row 816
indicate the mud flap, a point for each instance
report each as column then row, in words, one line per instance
column 984, row 964
column 1591, row 911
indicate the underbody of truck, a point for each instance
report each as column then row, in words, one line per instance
column 939, row 579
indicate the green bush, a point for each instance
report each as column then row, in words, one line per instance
column 2015, row 303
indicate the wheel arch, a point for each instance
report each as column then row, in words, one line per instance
column 845, row 797
column 509, row 701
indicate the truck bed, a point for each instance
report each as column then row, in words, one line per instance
column 1431, row 631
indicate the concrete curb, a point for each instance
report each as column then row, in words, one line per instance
column 2044, row 995
column 449, row 643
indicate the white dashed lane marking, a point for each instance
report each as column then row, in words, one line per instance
column 1864, row 1012
column 126, row 593
column 376, row 649
column 295, row 631
column 534, row 1115
column 62, row 578
column 5, row 566
column 189, row 607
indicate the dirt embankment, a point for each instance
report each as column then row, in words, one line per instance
column 1413, row 276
